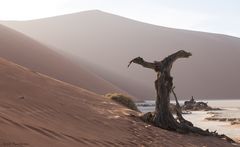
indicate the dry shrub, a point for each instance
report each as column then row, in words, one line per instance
column 123, row 100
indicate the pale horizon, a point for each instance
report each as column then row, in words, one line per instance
column 217, row 16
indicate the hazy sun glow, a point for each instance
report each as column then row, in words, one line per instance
column 218, row 16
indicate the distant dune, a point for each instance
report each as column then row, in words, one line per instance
column 107, row 42
column 25, row 51
column 38, row 111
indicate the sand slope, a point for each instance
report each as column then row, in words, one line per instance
column 110, row 41
column 25, row 51
column 38, row 111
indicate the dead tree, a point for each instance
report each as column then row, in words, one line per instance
column 162, row 116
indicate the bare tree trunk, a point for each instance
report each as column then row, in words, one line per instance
column 162, row 117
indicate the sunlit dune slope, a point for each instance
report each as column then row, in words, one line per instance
column 25, row 51
column 38, row 111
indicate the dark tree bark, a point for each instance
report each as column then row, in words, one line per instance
column 179, row 111
column 162, row 116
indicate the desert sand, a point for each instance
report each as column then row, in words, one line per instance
column 39, row 111
column 106, row 42
column 27, row 52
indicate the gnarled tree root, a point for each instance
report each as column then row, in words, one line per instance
column 182, row 127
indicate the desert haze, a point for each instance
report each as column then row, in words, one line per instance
column 105, row 43
column 27, row 52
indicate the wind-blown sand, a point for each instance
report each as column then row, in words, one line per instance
column 38, row 111
column 27, row 52
column 110, row 41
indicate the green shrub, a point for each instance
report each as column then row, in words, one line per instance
column 123, row 100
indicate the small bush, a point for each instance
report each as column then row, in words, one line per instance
column 123, row 100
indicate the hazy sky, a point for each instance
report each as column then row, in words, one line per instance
column 220, row 16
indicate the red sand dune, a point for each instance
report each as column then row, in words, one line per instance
column 109, row 42
column 25, row 51
column 38, row 111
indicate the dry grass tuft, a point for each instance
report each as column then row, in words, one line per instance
column 123, row 100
